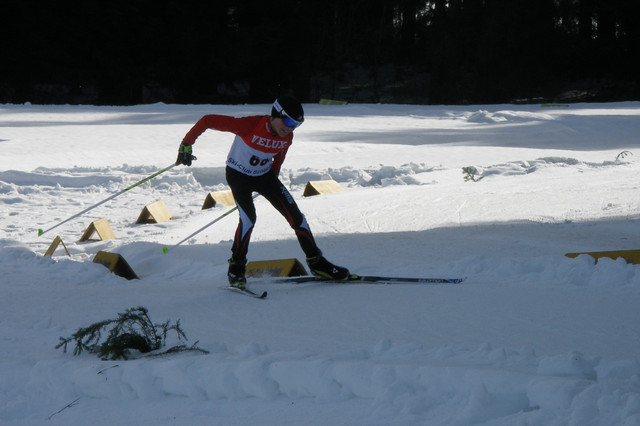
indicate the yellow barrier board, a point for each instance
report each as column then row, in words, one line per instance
column 219, row 197
column 331, row 102
column 54, row 245
column 100, row 227
column 275, row 268
column 156, row 212
column 115, row 264
column 631, row 256
column 318, row 187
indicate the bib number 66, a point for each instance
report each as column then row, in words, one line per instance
column 257, row 161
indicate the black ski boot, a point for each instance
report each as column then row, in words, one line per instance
column 236, row 272
column 321, row 267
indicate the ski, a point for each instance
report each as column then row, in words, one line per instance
column 246, row 292
column 354, row 278
column 373, row 278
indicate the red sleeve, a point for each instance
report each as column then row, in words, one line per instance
column 223, row 123
column 278, row 159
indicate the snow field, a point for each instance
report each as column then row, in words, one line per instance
column 531, row 337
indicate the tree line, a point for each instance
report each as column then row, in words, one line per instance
column 235, row 51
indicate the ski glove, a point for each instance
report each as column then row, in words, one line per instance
column 185, row 155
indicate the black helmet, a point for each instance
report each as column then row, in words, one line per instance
column 288, row 106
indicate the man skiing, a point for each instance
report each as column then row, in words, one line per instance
column 253, row 165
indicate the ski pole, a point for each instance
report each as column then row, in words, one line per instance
column 40, row 231
column 223, row 215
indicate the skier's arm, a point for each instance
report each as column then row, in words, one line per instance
column 222, row 123
column 278, row 160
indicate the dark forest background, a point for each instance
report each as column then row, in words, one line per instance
column 122, row 52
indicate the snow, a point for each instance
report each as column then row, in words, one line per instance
column 531, row 337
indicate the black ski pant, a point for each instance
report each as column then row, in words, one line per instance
column 270, row 187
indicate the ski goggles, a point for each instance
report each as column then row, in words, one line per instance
column 290, row 122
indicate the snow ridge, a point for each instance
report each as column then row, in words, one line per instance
column 446, row 385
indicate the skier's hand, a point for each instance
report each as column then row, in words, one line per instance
column 185, row 155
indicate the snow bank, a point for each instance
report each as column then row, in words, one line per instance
column 444, row 386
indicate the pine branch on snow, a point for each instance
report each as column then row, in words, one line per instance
column 470, row 174
column 133, row 330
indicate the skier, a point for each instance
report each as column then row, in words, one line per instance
column 253, row 164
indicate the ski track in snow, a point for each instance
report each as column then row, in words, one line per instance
column 531, row 337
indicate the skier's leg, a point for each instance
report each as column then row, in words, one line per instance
column 274, row 191
column 242, row 191
column 278, row 195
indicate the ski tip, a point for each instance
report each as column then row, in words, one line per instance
column 40, row 232
column 165, row 250
column 246, row 292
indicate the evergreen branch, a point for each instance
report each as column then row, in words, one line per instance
column 69, row 405
column 623, row 154
column 470, row 173
column 133, row 330
column 179, row 348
